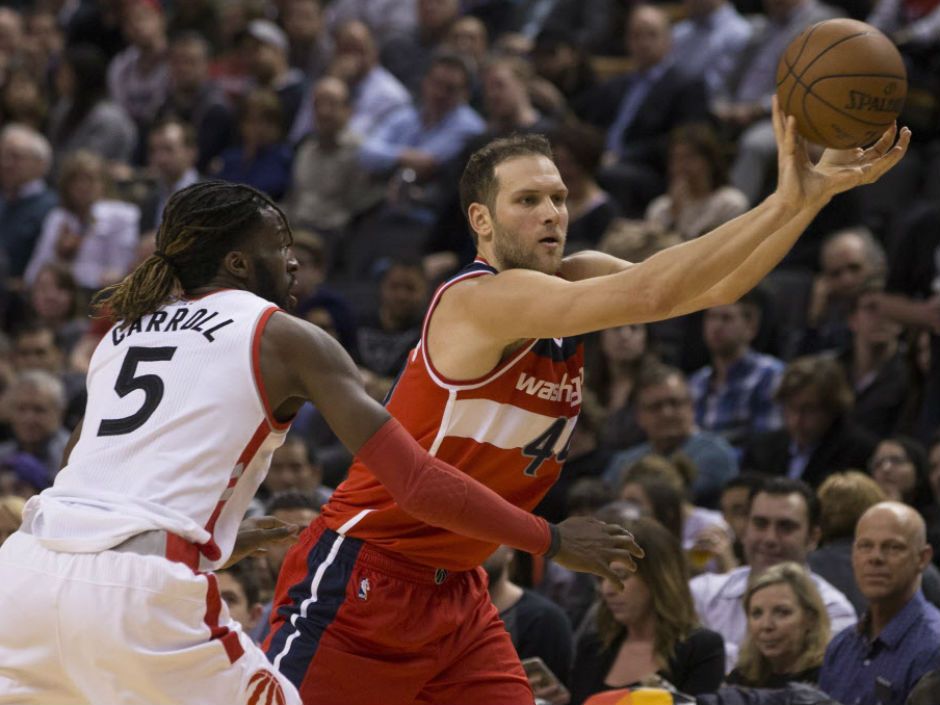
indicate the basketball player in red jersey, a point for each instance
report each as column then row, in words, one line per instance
column 374, row 605
column 189, row 394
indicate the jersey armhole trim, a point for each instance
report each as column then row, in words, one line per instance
column 256, row 370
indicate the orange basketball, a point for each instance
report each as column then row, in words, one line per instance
column 843, row 81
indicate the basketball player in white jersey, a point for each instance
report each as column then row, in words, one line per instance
column 105, row 594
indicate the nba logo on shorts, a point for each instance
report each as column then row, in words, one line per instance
column 264, row 689
column 364, row 588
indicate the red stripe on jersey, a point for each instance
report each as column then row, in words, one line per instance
column 227, row 637
column 256, row 369
column 210, row 549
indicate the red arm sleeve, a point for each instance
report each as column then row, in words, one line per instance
column 432, row 491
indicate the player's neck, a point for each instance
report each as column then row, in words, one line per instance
column 220, row 281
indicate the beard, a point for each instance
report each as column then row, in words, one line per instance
column 266, row 286
column 511, row 254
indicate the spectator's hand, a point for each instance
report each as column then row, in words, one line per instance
column 554, row 693
column 716, row 543
column 930, row 312
column 255, row 534
column 590, row 546
column 67, row 243
column 800, row 182
column 819, row 300
column 423, row 163
column 546, row 97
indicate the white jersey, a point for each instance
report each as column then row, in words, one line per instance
column 177, row 433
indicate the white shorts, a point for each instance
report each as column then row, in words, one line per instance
column 115, row 628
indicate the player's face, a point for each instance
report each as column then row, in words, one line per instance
column 274, row 265
column 530, row 218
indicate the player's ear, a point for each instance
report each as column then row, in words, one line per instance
column 237, row 264
column 478, row 215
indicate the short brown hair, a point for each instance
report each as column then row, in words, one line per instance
column 822, row 373
column 478, row 183
column 843, row 498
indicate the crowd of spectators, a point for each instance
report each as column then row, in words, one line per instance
column 778, row 458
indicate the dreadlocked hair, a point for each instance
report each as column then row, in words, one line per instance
column 201, row 224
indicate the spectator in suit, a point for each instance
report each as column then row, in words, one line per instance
column 409, row 55
column 649, row 630
column 198, row 100
column 25, row 198
column 640, row 109
column 537, row 626
column 787, row 630
column 818, row 437
column 267, row 48
column 172, row 156
column 898, row 640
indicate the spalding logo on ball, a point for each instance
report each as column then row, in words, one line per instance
column 843, row 81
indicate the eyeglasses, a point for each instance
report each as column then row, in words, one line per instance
column 890, row 460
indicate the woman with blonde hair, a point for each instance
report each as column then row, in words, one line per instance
column 649, row 630
column 787, row 630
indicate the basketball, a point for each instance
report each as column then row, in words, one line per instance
column 843, row 81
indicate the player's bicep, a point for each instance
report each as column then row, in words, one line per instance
column 588, row 264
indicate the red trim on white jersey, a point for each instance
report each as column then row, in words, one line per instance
column 226, row 636
column 256, row 369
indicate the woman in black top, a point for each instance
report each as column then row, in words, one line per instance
column 787, row 630
column 650, row 628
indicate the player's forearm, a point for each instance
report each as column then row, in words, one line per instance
column 436, row 493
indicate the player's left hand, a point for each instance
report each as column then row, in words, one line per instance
column 255, row 534
column 801, row 182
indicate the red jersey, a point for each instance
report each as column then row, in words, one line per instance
column 508, row 430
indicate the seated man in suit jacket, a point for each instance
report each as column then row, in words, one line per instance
column 640, row 109
column 818, row 438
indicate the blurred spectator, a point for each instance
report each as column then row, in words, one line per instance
column 94, row 235
column 172, row 157
column 294, row 468
column 577, row 150
column 238, row 586
column 386, row 339
column 44, row 44
column 409, row 55
column 660, row 487
column 709, row 40
column 843, row 498
column 25, row 199
column 649, row 629
column 566, row 69
column 734, row 396
column 139, row 77
column 22, row 474
column 924, row 693
column 84, row 117
column 640, row 109
column 22, row 98
column 620, row 358
column 594, row 24
column 743, row 106
column 36, row 347
column 787, row 630
column 664, row 412
column 11, row 36
column 818, row 438
column 898, row 641
column 328, row 186
column 874, row 363
column 914, row 298
column 97, row 22
column 698, row 197
column 267, row 47
column 899, row 466
column 735, row 503
column 907, row 21
column 848, row 260
column 375, row 94
column 783, row 525
column 468, row 36
column 36, row 404
column 932, row 512
column 198, row 100
column 263, row 159
column 537, row 626
column 307, row 37
column 506, row 103
column 11, row 515
column 385, row 17
column 292, row 508
column 57, row 302
column 200, row 16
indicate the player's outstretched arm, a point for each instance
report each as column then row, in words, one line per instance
column 301, row 362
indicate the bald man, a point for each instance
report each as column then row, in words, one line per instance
column 898, row 641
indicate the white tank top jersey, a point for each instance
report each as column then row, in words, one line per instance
column 177, row 432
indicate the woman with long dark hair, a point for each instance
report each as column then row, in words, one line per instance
column 84, row 117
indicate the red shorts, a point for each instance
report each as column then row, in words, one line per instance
column 355, row 625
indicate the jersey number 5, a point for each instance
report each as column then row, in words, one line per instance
column 128, row 381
